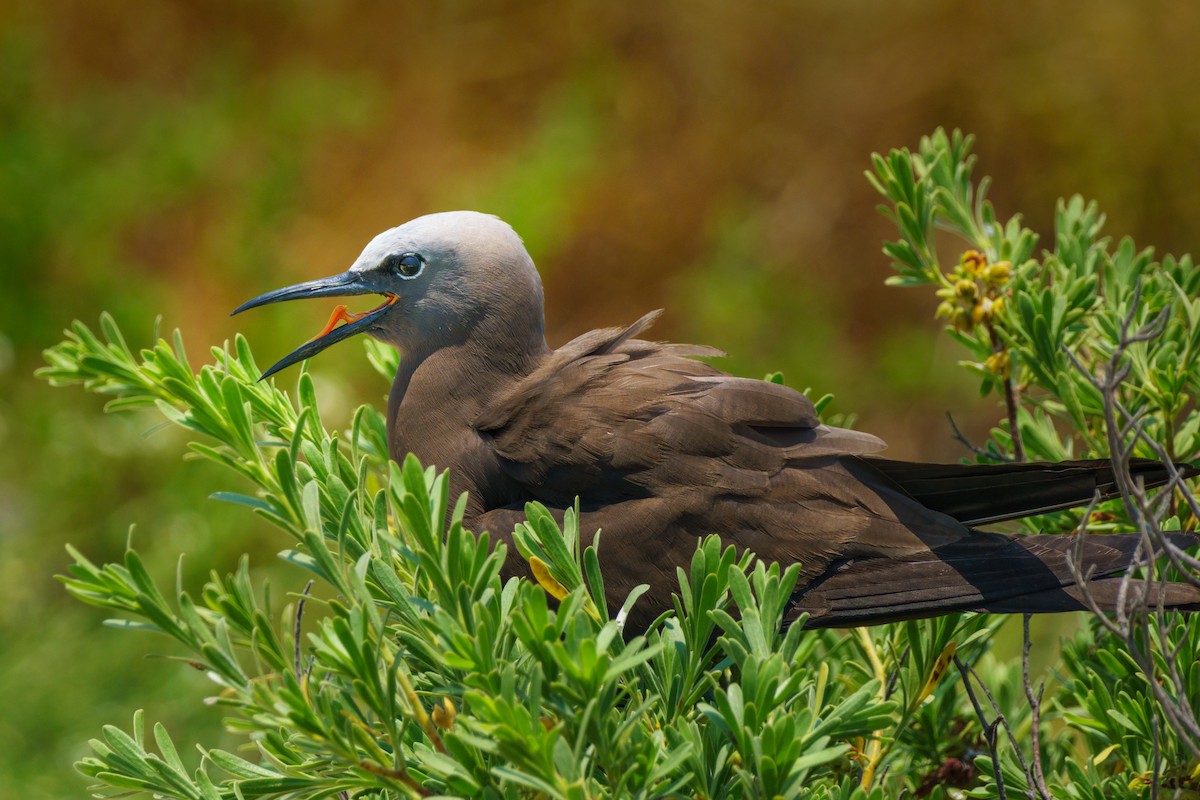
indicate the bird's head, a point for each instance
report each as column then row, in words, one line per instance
column 440, row 276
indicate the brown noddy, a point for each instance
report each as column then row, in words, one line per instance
column 662, row 449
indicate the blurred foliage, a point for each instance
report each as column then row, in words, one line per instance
column 181, row 158
column 114, row 194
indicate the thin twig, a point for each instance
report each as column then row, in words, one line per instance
column 874, row 748
column 989, row 728
column 418, row 711
column 400, row 776
column 1157, row 773
column 1036, row 776
column 1011, row 401
column 974, row 448
column 296, row 630
column 1012, row 737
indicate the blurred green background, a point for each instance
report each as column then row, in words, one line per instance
column 178, row 158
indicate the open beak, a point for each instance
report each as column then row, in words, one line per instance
column 344, row 285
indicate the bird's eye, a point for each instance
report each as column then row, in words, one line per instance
column 406, row 265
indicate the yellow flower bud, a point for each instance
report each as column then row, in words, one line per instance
column 445, row 714
column 973, row 261
column 998, row 274
column 998, row 363
column 944, row 311
column 966, row 288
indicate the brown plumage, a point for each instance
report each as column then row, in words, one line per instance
column 662, row 449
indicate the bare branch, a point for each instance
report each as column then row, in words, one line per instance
column 974, row 448
column 1143, row 630
column 989, row 728
column 296, row 629
column 1036, row 777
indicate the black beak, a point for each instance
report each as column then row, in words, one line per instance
column 344, row 285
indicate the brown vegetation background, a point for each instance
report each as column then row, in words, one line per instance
column 176, row 158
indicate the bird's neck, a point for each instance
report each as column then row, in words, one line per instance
column 438, row 394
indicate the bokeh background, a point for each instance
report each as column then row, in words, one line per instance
column 176, row 158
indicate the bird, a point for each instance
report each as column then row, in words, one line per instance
column 660, row 448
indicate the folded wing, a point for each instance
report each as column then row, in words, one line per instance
column 662, row 449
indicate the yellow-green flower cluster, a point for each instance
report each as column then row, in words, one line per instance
column 972, row 294
column 999, row 363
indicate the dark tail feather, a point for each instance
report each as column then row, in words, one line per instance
column 1106, row 594
column 985, row 572
column 978, row 494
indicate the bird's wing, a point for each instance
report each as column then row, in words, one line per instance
column 612, row 414
column 662, row 448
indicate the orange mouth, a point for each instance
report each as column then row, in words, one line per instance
column 340, row 315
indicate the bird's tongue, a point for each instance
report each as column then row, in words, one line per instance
column 340, row 315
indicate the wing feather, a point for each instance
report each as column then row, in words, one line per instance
column 662, row 449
